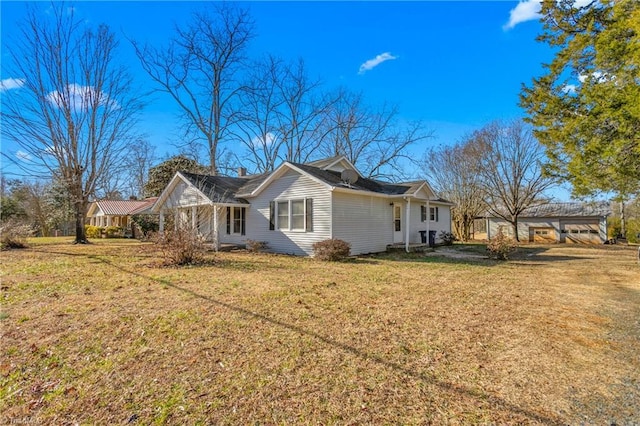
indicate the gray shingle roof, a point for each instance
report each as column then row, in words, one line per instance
column 227, row 189
column 219, row 189
column 596, row 209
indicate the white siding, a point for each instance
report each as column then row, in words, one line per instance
column 184, row 195
column 290, row 186
column 442, row 224
column 364, row 221
column 523, row 226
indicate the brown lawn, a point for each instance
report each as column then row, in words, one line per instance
column 98, row 335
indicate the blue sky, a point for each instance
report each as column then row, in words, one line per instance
column 454, row 65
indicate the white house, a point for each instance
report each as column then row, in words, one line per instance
column 297, row 205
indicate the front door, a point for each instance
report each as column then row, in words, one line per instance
column 397, row 223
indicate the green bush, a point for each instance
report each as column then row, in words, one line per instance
column 331, row 250
column 13, row 235
column 113, row 231
column 501, row 246
column 92, row 231
column 146, row 223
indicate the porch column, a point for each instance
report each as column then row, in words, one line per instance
column 161, row 227
column 428, row 220
column 407, row 226
column 176, row 219
column 216, row 236
column 194, row 218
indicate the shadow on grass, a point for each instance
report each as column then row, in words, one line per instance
column 456, row 390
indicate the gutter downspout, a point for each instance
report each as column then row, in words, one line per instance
column 406, row 226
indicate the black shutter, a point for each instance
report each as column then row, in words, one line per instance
column 437, row 214
column 228, row 220
column 243, row 211
column 272, row 215
column 309, row 214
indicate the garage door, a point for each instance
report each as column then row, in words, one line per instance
column 542, row 235
column 585, row 233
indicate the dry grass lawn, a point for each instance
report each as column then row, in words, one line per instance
column 98, row 335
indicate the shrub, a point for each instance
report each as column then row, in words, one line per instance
column 447, row 238
column 146, row 223
column 180, row 247
column 113, row 231
column 501, row 246
column 13, row 235
column 256, row 246
column 332, row 249
column 92, row 231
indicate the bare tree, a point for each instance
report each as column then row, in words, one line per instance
column 453, row 173
column 511, row 170
column 140, row 157
column 279, row 114
column 372, row 139
column 200, row 70
column 258, row 117
column 75, row 111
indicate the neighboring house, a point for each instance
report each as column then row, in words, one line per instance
column 556, row 223
column 117, row 212
column 297, row 205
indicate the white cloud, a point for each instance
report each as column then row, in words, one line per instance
column 11, row 83
column 21, row 155
column 259, row 141
column 526, row 10
column 80, row 97
column 529, row 10
column 372, row 63
column 569, row 88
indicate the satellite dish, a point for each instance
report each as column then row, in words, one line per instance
column 349, row 176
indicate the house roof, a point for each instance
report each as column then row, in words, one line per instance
column 598, row 209
column 219, row 189
column 233, row 190
column 121, row 207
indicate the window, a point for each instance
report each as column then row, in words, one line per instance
column 236, row 220
column 423, row 213
column 433, row 214
column 291, row 215
column 397, row 218
column 283, row 215
column 297, row 215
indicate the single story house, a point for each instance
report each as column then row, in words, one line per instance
column 297, row 205
column 556, row 223
column 117, row 212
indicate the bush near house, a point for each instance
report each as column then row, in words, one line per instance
column 501, row 246
column 92, row 231
column 447, row 238
column 256, row 246
column 180, row 247
column 114, row 231
column 331, row 250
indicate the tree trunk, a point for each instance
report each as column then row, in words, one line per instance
column 80, row 212
column 514, row 223
column 623, row 225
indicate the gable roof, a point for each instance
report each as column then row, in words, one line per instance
column 598, row 209
column 219, row 189
column 234, row 190
column 120, row 207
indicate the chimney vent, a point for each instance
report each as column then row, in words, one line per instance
column 242, row 171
